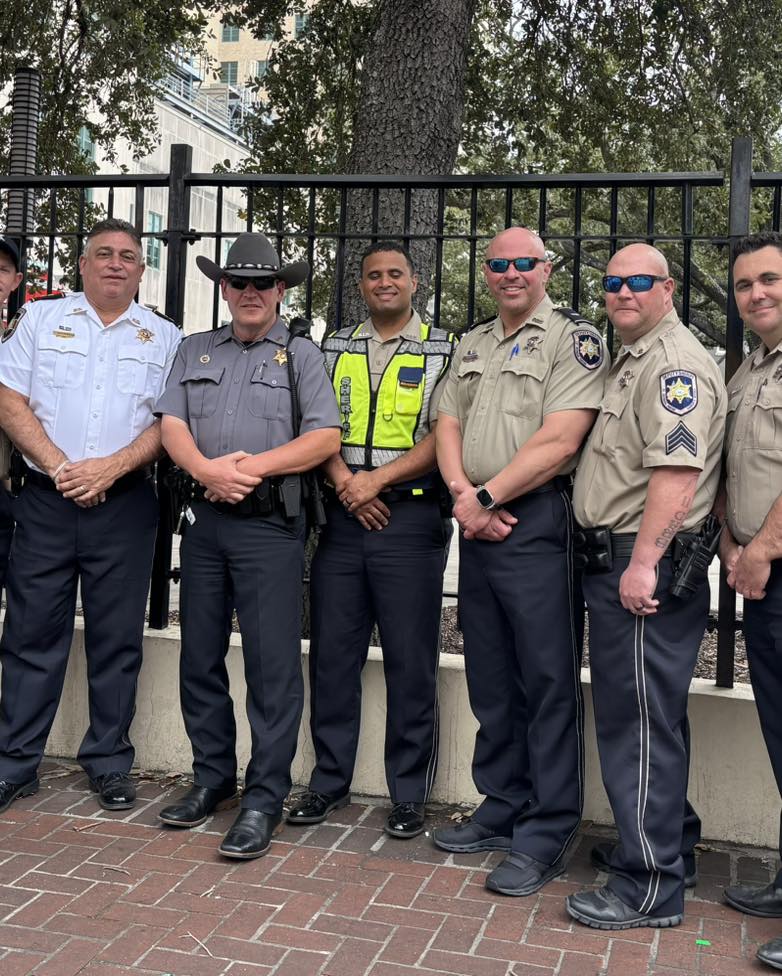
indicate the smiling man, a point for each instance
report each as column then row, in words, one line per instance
column 520, row 398
column 79, row 377
column 751, row 548
column 229, row 421
column 381, row 556
column 645, row 483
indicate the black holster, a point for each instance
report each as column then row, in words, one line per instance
column 17, row 470
column 692, row 556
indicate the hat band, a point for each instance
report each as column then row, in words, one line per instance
column 255, row 267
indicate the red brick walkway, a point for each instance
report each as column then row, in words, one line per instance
column 99, row 895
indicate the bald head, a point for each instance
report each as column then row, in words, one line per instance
column 644, row 255
column 523, row 241
column 517, row 293
column 634, row 313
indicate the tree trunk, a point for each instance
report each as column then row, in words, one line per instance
column 409, row 122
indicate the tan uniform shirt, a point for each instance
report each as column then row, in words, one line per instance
column 381, row 351
column 664, row 405
column 501, row 388
column 753, row 443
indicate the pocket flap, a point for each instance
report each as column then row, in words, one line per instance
column 197, row 373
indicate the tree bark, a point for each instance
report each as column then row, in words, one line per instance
column 408, row 122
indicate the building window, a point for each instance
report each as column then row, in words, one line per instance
column 155, row 226
column 301, row 23
column 268, row 34
column 230, row 31
column 229, row 72
column 261, row 67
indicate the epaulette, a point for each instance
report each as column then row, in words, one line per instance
column 162, row 315
column 575, row 317
column 489, row 318
column 47, row 298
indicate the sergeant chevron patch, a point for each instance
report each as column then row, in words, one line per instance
column 681, row 436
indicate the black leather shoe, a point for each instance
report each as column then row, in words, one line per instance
column 12, row 791
column 313, row 807
column 250, row 836
column 116, row 790
column 765, row 902
column 602, row 909
column 771, row 953
column 520, row 874
column 197, row 804
column 601, row 854
column 406, row 820
column 469, row 837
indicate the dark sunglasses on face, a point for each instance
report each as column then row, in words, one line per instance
column 259, row 284
column 636, row 282
column 501, row 265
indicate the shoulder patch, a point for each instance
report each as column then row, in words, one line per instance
column 681, row 436
column 48, row 298
column 10, row 327
column 679, row 391
column 588, row 348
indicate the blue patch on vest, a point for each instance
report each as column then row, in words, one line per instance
column 410, row 375
column 679, row 391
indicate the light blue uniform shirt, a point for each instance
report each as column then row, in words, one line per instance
column 92, row 387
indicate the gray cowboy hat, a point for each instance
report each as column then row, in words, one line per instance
column 254, row 256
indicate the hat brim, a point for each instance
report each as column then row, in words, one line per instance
column 292, row 274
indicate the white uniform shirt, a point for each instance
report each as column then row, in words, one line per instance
column 91, row 386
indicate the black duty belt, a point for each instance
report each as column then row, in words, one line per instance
column 265, row 499
column 125, row 483
column 597, row 548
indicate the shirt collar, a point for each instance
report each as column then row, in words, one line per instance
column 278, row 334
column 761, row 355
column 539, row 318
column 79, row 305
column 645, row 342
column 411, row 332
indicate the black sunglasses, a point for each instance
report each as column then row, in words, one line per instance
column 636, row 282
column 259, row 284
column 501, row 265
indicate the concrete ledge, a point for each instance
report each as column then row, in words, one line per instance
column 731, row 784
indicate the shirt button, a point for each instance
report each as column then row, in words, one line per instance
column 230, row 413
column 98, row 387
column 236, row 381
column 244, row 352
column 94, row 415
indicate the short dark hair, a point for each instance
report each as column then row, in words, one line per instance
column 756, row 242
column 382, row 246
column 113, row 225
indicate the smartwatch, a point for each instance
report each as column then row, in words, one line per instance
column 485, row 498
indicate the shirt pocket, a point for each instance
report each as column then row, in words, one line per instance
column 203, row 390
column 468, row 375
column 767, row 419
column 270, row 394
column 62, row 362
column 139, row 369
column 609, row 422
column 521, row 386
column 409, row 394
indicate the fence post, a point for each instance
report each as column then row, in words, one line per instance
column 177, row 236
column 738, row 226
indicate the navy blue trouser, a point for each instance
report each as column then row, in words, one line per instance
column 641, row 673
column 254, row 565
column 57, row 544
column 393, row 577
column 6, row 533
column 763, row 634
column 518, row 606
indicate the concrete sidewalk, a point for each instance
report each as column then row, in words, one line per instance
column 90, row 893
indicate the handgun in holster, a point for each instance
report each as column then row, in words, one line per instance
column 17, row 471
column 693, row 558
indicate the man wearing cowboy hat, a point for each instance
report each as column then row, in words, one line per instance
column 228, row 421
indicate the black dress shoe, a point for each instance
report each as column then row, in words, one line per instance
column 197, row 804
column 406, row 820
column 771, row 953
column 602, row 909
column 601, row 855
column 116, row 790
column 520, row 874
column 469, row 837
column 250, row 836
column 12, row 791
column 765, row 902
column 313, row 807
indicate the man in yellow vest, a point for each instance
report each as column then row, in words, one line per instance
column 382, row 554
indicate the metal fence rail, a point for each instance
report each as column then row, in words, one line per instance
column 584, row 218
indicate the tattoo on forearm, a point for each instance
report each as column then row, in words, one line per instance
column 664, row 539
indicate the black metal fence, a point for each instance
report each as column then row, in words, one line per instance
column 584, row 218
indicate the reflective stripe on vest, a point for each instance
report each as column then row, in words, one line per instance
column 380, row 427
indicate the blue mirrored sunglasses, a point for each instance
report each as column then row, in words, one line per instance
column 636, row 282
column 501, row 265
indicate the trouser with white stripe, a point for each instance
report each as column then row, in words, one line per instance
column 641, row 672
column 522, row 650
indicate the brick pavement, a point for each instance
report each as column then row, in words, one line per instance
column 90, row 893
